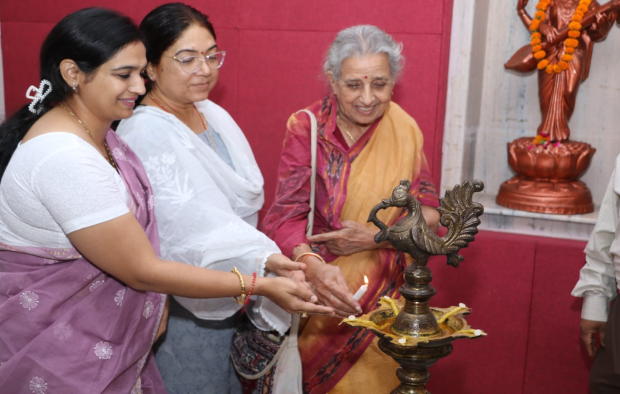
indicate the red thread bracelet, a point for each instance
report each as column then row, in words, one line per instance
column 247, row 297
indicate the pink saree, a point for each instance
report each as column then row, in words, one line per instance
column 350, row 180
column 68, row 327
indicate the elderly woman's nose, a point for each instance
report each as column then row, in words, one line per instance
column 368, row 96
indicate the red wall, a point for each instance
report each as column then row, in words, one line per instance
column 275, row 50
column 518, row 288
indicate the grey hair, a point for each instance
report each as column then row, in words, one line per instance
column 360, row 41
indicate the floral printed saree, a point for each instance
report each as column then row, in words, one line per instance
column 68, row 327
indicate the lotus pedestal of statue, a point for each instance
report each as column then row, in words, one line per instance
column 412, row 332
column 547, row 177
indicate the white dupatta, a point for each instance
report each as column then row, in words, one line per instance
column 206, row 211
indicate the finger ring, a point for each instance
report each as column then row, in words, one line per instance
column 304, row 314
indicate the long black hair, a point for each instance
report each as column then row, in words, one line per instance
column 90, row 37
column 165, row 24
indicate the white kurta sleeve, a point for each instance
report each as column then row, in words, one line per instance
column 597, row 280
column 196, row 223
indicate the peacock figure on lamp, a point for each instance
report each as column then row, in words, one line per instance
column 548, row 166
column 412, row 332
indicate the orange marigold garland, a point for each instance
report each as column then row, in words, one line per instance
column 569, row 44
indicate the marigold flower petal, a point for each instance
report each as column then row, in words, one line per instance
column 543, row 4
column 543, row 64
column 574, row 26
column 540, row 15
column 570, row 43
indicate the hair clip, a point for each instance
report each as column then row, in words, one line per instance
column 38, row 95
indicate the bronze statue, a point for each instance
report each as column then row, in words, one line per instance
column 558, row 92
column 548, row 166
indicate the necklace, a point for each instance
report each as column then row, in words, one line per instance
column 204, row 124
column 346, row 130
column 157, row 103
column 108, row 156
column 569, row 44
column 202, row 119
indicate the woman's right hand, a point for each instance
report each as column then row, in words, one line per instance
column 283, row 266
column 290, row 295
column 331, row 287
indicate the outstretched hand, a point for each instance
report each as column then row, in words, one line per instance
column 283, row 266
column 589, row 329
column 353, row 237
column 332, row 290
column 521, row 4
column 292, row 296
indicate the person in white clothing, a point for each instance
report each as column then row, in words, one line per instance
column 598, row 285
column 208, row 190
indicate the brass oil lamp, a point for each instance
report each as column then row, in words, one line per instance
column 412, row 332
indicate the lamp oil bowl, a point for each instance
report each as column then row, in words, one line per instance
column 412, row 332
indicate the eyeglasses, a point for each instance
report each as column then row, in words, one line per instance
column 191, row 64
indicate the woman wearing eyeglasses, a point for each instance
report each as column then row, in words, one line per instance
column 208, row 190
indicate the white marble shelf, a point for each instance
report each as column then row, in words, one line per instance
column 502, row 219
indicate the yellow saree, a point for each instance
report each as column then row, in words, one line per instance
column 332, row 353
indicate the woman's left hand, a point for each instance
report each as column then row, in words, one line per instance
column 352, row 238
column 283, row 266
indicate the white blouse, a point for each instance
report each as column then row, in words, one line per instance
column 56, row 184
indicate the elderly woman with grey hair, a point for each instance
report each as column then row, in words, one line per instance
column 366, row 145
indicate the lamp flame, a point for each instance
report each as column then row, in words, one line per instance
column 365, row 279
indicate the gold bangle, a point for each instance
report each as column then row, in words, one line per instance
column 243, row 294
column 310, row 254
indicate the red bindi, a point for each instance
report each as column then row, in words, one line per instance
column 365, row 76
